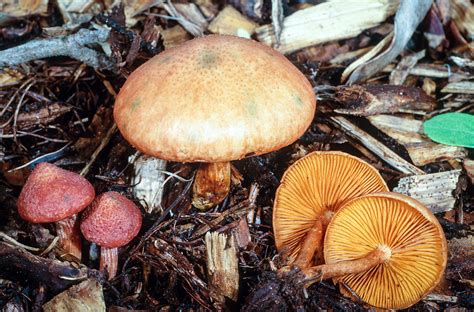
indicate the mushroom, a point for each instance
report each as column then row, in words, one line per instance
column 311, row 191
column 212, row 100
column 52, row 194
column 111, row 221
column 387, row 248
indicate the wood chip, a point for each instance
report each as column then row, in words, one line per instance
column 469, row 167
column 10, row 77
column 433, row 190
column 433, row 71
column 26, row 7
column 231, row 22
column 328, row 21
column 441, row 298
column 408, row 132
column 242, row 233
column 375, row 146
column 148, row 181
column 465, row 87
column 174, row 36
column 401, row 72
column 409, row 16
column 222, row 265
column 369, row 100
column 84, row 297
column 189, row 16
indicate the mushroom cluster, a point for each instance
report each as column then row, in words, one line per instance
column 52, row 194
column 386, row 248
column 212, row 100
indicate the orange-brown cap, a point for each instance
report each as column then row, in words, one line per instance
column 407, row 231
column 213, row 99
column 314, row 187
column 111, row 221
column 52, row 194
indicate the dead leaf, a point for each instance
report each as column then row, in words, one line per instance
column 434, row 30
column 408, row 17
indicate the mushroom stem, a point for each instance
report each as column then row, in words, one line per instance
column 327, row 271
column 69, row 236
column 312, row 243
column 211, row 184
column 109, row 261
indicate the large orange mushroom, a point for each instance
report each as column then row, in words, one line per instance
column 388, row 248
column 212, row 100
column 311, row 191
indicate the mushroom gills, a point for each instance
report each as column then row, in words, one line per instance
column 387, row 248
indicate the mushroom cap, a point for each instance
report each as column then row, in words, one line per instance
column 403, row 227
column 316, row 186
column 212, row 99
column 51, row 194
column 111, row 221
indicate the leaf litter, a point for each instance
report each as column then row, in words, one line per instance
column 58, row 108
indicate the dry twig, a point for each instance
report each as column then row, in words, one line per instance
column 73, row 46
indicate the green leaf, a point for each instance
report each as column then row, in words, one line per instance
column 452, row 129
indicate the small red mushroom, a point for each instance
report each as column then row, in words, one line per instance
column 111, row 221
column 52, row 194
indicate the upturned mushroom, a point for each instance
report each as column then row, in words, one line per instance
column 387, row 248
column 52, row 194
column 311, row 191
column 212, row 100
column 111, row 221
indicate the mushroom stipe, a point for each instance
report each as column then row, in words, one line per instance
column 387, row 248
column 214, row 99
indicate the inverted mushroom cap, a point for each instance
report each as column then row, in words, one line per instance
column 52, row 194
column 315, row 187
column 409, row 234
column 111, row 221
column 213, row 99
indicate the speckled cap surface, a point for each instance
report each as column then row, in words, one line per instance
column 52, row 194
column 111, row 221
column 214, row 98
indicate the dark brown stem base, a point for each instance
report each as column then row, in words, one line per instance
column 109, row 261
column 70, row 236
column 211, row 184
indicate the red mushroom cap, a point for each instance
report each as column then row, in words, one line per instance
column 52, row 194
column 111, row 221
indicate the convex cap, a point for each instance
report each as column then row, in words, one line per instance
column 214, row 99
column 316, row 186
column 111, row 221
column 411, row 237
column 52, row 194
